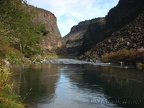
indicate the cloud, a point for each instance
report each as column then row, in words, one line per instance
column 70, row 12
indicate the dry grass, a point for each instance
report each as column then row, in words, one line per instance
column 125, row 55
column 7, row 98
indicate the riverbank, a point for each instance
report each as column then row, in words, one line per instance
column 134, row 57
column 9, row 99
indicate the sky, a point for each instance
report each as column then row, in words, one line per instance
column 71, row 12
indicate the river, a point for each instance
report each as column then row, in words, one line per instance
column 68, row 83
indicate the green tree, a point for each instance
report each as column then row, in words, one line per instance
column 25, row 36
column 17, row 28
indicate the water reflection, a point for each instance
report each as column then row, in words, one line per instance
column 37, row 81
column 122, row 86
column 80, row 86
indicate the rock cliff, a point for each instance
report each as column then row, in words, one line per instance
column 121, row 28
column 125, row 12
column 130, row 36
column 74, row 39
column 52, row 41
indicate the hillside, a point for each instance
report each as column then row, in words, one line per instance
column 122, row 28
column 125, row 12
column 129, row 39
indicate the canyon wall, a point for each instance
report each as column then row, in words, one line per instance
column 74, row 39
column 52, row 42
column 122, row 28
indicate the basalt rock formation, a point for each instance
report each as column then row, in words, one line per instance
column 74, row 39
column 94, row 34
column 52, row 41
column 122, row 28
column 125, row 12
column 130, row 36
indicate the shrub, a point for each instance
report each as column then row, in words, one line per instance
column 12, row 54
column 36, row 58
column 138, row 56
column 12, row 57
column 33, row 51
column 7, row 98
column 106, row 57
column 139, row 66
column 129, row 56
column 88, row 53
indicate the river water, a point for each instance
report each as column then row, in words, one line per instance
column 68, row 83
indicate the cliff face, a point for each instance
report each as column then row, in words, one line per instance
column 124, row 29
column 130, row 36
column 125, row 12
column 51, row 42
column 74, row 39
column 94, row 34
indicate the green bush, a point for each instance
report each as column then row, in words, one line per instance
column 43, row 30
column 33, row 51
column 13, row 57
column 139, row 66
column 36, row 58
column 11, row 54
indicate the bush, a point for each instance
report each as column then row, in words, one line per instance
column 87, row 53
column 106, row 57
column 139, row 66
column 36, row 58
column 7, row 98
column 128, row 56
column 138, row 56
column 33, row 51
column 11, row 54
column 13, row 57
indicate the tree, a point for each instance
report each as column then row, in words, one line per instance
column 17, row 28
column 25, row 36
